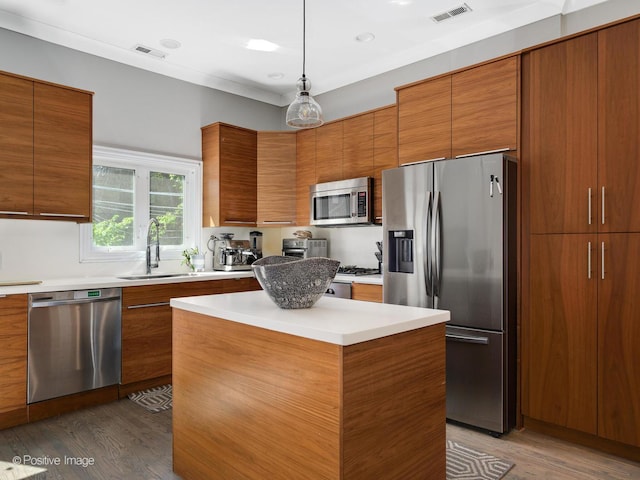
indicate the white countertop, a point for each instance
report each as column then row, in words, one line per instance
column 333, row 320
column 84, row 283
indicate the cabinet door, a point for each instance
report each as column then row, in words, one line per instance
column 13, row 355
column 16, row 145
column 424, row 121
column 238, row 176
column 562, row 328
column 329, row 152
column 62, row 165
column 619, row 338
column 385, row 152
column 276, row 178
column 147, row 326
column 485, row 108
column 619, row 127
column 560, row 135
column 146, row 332
column 366, row 292
column 357, row 159
column 305, row 173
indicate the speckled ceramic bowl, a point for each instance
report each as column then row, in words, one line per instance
column 292, row 282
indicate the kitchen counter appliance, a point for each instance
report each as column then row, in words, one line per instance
column 305, row 247
column 449, row 242
column 234, row 255
column 74, row 342
column 342, row 203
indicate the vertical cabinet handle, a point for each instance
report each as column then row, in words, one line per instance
column 603, row 204
column 589, row 262
column 602, row 259
column 589, row 210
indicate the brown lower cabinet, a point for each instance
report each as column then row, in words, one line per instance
column 146, row 348
column 146, row 328
column 366, row 292
column 13, row 360
column 583, row 360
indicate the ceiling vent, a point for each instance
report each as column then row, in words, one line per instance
column 149, row 51
column 454, row 12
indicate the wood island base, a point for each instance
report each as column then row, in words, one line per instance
column 252, row 403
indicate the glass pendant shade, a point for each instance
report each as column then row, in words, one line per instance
column 304, row 111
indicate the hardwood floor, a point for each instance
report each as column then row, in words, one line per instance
column 124, row 440
column 127, row 442
column 538, row 456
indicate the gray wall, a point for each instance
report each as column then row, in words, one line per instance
column 134, row 108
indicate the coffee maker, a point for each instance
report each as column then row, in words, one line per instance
column 232, row 255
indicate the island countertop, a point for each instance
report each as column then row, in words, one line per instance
column 333, row 320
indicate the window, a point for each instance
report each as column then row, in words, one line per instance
column 130, row 188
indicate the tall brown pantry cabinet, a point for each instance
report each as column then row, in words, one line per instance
column 581, row 234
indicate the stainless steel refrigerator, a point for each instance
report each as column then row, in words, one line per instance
column 449, row 231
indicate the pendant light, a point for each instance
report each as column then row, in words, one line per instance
column 304, row 111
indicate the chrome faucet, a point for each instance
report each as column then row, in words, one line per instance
column 152, row 222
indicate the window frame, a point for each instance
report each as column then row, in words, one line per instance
column 143, row 163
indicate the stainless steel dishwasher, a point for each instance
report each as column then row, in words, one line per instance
column 74, row 342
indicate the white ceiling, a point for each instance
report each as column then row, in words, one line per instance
column 214, row 33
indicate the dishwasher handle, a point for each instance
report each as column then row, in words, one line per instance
column 50, row 302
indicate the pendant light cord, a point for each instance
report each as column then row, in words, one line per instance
column 304, row 35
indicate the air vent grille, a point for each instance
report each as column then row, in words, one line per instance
column 149, row 51
column 454, row 12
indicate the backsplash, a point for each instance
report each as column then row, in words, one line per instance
column 41, row 250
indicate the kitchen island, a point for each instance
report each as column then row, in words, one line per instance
column 343, row 390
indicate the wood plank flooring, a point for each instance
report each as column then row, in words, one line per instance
column 127, row 442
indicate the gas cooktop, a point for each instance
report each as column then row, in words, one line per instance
column 353, row 270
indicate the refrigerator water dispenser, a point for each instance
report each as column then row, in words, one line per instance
column 401, row 251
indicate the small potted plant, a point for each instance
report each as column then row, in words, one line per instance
column 193, row 259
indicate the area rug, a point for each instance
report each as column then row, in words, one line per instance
column 155, row 399
column 464, row 463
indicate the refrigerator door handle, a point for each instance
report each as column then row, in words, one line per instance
column 467, row 339
column 428, row 257
column 436, row 249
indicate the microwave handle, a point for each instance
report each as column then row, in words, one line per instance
column 354, row 204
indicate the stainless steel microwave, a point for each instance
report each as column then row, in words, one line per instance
column 342, row 203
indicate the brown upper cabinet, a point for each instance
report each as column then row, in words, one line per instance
column 357, row 159
column 560, row 135
column 329, row 151
column 276, row 178
column 46, row 165
column 358, row 146
column 581, row 118
column 305, row 173
column 424, row 120
column 619, row 128
column 484, row 105
column 471, row 111
column 385, row 151
column 16, row 144
column 229, row 163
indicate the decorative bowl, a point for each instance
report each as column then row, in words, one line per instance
column 292, row 282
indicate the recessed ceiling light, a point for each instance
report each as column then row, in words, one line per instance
column 365, row 37
column 276, row 75
column 261, row 45
column 170, row 43
column 401, row 3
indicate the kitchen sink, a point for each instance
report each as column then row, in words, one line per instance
column 152, row 276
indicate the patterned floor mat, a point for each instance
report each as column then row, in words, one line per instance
column 154, row 399
column 463, row 463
